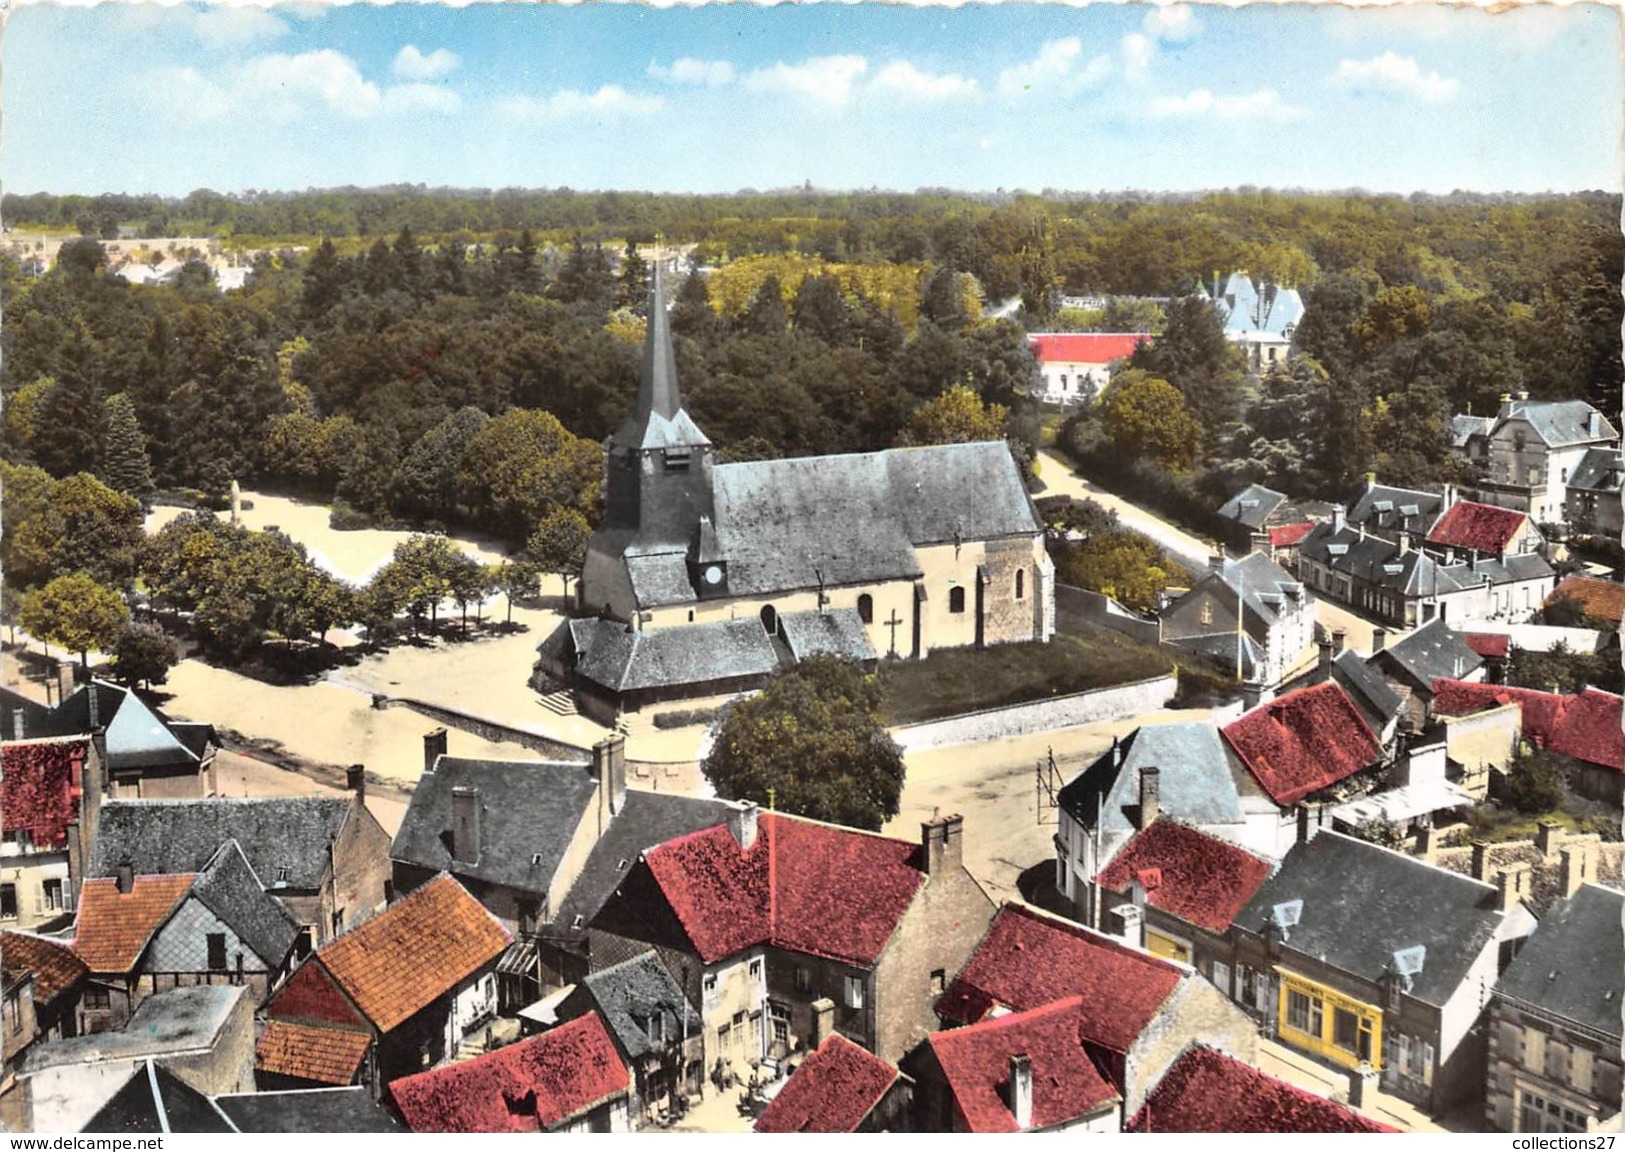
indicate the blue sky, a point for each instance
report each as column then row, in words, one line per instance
column 714, row 98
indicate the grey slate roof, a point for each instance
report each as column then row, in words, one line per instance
column 170, row 1022
column 659, row 420
column 284, row 838
column 1223, row 646
column 1252, row 505
column 1370, row 692
column 1574, row 965
column 37, row 718
column 835, row 631
column 155, row 1100
column 1560, row 422
column 624, row 661
column 1464, row 428
column 1599, row 470
column 1429, row 653
column 138, row 735
column 1363, row 903
column 1396, row 509
column 529, row 809
column 308, row 1110
column 229, row 888
column 1197, row 785
column 645, row 820
column 1413, row 572
column 637, row 997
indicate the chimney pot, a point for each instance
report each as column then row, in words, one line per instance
column 942, row 838
column 1021, row 1091
column 742, row 822
column 1546, row 837
column 355, row 779
column 434, row 747
column 1481, row 860
column 1379, row 638
column 1578, row 866
column 823, row 1021
column 1339, row 638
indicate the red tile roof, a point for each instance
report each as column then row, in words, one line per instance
column 1289, row 534
column 1481, row 527
column 1586, row 727
column 803, row 886
column 1197, row 877
column 534, row 1085
column 325, row 1055
column 41, row 789
column 404, row 959
column 1490, row 645
column 55, row 967
column 833, row 1091
column 1207, row 1091
column 1603, row 600
column 113, row 927
column 311, row 994
column 975, row 1062
column 1304, row 741
column 1027, row 960
column 1085, row 347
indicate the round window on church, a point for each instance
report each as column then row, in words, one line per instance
column 713, row 575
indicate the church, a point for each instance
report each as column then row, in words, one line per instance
column 705, row 578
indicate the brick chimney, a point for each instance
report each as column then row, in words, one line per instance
column 1363, row 1085
column 1339, row 638
column 742, row 822
column 1579, row 866
column 465, row 825
column 355, row 779
column 1481, row 860
column 1379, row 639
column 1150, row 797
column 1404, row 543
column 1427, row 843
column 1547, row 833
column 434, row 747
column 1323, row 666
column 823, row 1021
column 19, row 724
column 1339, row 518
column 1021, row 1091
column 943, row 840
column 126, row 876
column 1512, row 886
column 609, row 763
column 1132, row 919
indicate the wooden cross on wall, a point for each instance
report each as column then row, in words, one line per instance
column 892, row 624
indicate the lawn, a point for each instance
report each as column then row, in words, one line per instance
column 956, row 680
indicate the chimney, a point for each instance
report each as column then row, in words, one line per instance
column 64, row 682
column 93, row 701
column 1362, row 1085
column 1511, row 886
column 1426, row 843
column 19, row 724
column 1594, row 424
column 1450, row 497
column 1324, row 665
column 1523, row 393
column 823, row 1021
column 1339, row 518
column 742, row 822
column 1506, row 404
column 126, row 876
column 1215, row 564
column 434, row 747
column 1404, row 543
column 1546, row 834
column 1021, row 1091
column 1579, row 866
column 942, row 838
column 609, row 762
column 1310, row 820
column 1150, row 797
column 355, row 780
column 465, row 825
column 1481, row 860
column 1339, row 638
column 1370, row 481
column 1252, row 694
column 1379, row 638
column 1132, row 919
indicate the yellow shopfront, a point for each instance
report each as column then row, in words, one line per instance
column 1328, row 1024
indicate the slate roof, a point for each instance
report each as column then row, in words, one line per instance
column 659, row 420
column 314, row 1110
column 310, row 1052
column 834, row 631
column 228, row 887
column 1085, row 347
column 645, row 820
column 42, row 784
column 834, row 1090
column 1027, row 960
column 1558, row 422
column 1429, row 653
column 423, row 946
column 138, row 735
column 637, row 996
column 1196, row 784
column 624, row 660
column 1377, row 702
column 534, row 1085
column 1362, row 903
column 1304, row 741
column 171, row 1022
column 1603, row 600
column 1252, row 505
column 802, row 886
column 1207, row 1091
column 1573, row 967
column 1413, row 572
column 1067, row 1086
column 1599, row 470
column 1464, row 428
column 278, row 835
column 1481, row 527
column 1585, row 726
column 1199, row 878
column 113, row 928
column 36, row 717
column 155, row 1100
column 1392, row 509
column 55, row 967
column 529, row 811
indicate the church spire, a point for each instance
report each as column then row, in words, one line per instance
column 659, row 420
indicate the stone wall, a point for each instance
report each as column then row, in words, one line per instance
column 1196, row 1011
column 487, row 729
column 1079, row 606
column 1025, row 719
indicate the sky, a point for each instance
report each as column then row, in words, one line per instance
column 123, row 97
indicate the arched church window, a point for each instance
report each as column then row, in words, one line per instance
column 956, row 599
column 866, row 608
column 770, row 620
column 1021, row 583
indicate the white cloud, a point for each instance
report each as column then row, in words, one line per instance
column 1055, row 66
column 1397, row 75
column 411, row 64
column 1171, row 22
column 607, row 102
column 225, row 26
column 279, row 87
column 902, row 78
column 826, row 79
column 1265, row 104
column 688, row 70
column 1138, row 52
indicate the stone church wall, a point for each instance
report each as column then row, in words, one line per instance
column 1025, row 719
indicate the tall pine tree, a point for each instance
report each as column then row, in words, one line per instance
column 125, row 465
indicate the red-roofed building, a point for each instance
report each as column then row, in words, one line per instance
column 1207, row 1091
column 1305, row 741
column 1584, row 729
column 1075, row 366
column 838, row 1088
column 41, row 982
column 49, row 800
column 568, row 1080
column 416, row 979
column 1602, row 601
column 1130, row 1005
column 1490, row 645
column 1483, row 530
column 1021, row 1072
column 1187, row 886
column 761, row 916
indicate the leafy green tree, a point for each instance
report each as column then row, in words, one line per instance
column 143, row 656
column 765, row 315
column 1145, row 416
column 1194, row 356
column 427, row 481
column 125, row 465
column 958, row 416
column 820, row 310
column 525, row 464
column 515, row 578
column 1129, row 314
column 1118, row 563
column 77, row 613
column 634, row 287
column 1534, row 780
column 83, row 526
column 559, row 545
column 811, row 744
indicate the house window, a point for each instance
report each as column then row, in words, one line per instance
column 217, row 951
column 854, row 992
column 803, row 979
column 1557, row 1062
column 8, row 901
column 724, row 1035
column 1351, row 1033
column 1207, row 612
column 756, row 969
column 939, row 981
column 1538, row 1114
column 1221, row 976
column 956, row 599
column 739, row 1019
column 52, row 891
column 709, row 984
column 866, row 608
column 1304, row 1013
column 96, row 998
column 1021, row 583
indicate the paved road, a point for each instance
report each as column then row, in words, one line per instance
column 1061, row 480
